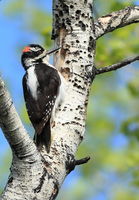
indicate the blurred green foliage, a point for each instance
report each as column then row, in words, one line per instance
column 112, row 133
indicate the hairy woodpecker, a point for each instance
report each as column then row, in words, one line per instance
column 43, row 88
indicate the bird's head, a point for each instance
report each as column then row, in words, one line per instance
column 34, row 53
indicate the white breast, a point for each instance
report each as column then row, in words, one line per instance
column 32, row 81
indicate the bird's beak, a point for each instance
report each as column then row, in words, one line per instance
column 53, row 50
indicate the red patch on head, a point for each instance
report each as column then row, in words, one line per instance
column 26, row 49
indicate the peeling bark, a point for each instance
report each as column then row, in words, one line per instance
column 38, row 175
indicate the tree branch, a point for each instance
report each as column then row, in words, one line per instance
column 82, row 161
column 117, row 65
column 12, row 126
column 71, row 162
column 115, row 20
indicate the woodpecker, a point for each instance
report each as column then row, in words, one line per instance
column 43, row 88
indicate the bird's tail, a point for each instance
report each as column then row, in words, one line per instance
column 44, row 138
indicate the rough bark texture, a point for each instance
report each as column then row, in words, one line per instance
column 38, row 175
column 116, row 20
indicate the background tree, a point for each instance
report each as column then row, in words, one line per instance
column 115, row 155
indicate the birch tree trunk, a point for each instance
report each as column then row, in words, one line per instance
column 38, row 175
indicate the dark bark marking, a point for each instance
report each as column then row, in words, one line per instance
column 78, row 12
column 65, row 8
column 10, row 180
column 76, row 53
column 47, row 164
column 91, row 7
column 82, row 25
column 73, row 60
column 55, row 190
column 73, row 123
column 65, row 72
column 77, row 80
column 126, row 15
column 68, row 61
column 80, row 92
column 60, row 13
column 89, row 55
column 71, row 6
column 68, row 21
column 77, row 118
column 76, row 131
column 92, row 43
column 79, row 86
column 42, row 179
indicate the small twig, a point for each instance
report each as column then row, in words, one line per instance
column 82, row 161
column 71, row 163
column 117, row 65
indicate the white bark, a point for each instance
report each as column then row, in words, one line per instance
column 38, row 175
column 116, row 20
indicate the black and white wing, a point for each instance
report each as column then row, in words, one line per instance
column 40, row 109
